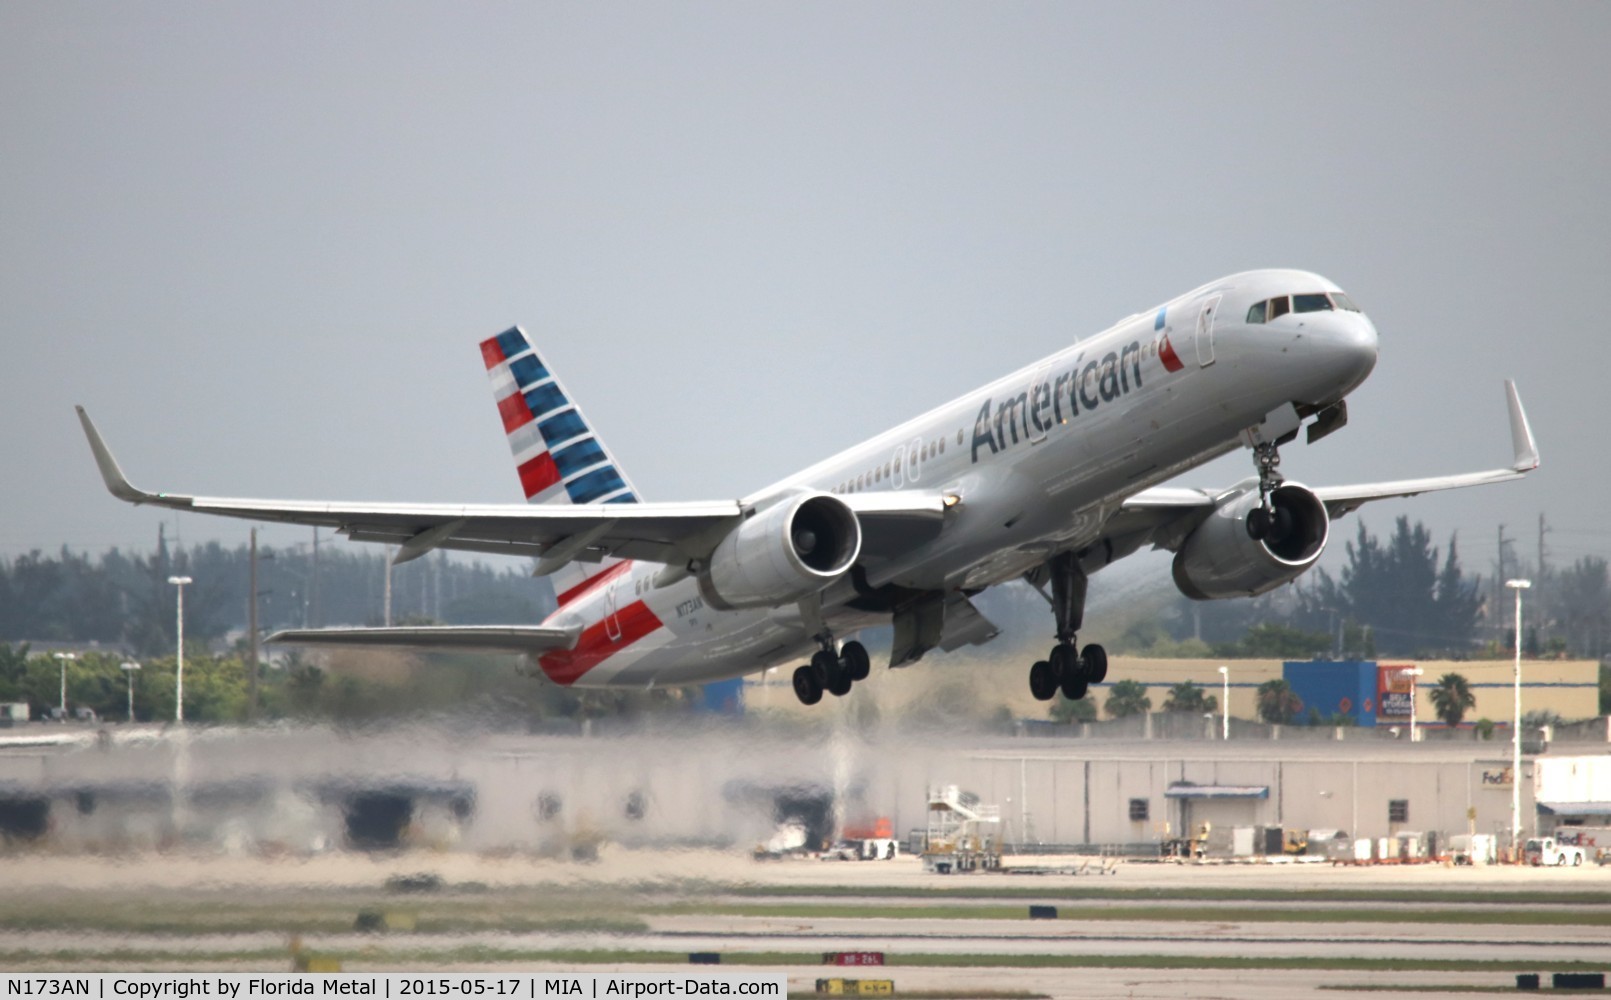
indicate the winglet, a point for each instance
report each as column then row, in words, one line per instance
column 116, row 482
column 1521, row 435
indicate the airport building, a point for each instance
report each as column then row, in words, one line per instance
column 1569, row 689
column 733, row 783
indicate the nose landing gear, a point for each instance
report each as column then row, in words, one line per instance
column 1266, row 520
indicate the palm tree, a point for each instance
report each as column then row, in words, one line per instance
column 1127, row 698
column 1452, row 699
column 1278, row 703
column 1063, row 710
column 1188, row 697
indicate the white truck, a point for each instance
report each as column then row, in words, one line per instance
column 1594, row 840
column 1472, row 849
column 1549, row 851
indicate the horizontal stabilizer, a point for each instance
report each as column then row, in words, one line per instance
column 485, row 638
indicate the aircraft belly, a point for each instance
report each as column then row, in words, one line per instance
column 1069, row 485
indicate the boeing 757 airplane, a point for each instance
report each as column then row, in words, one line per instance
column 1047, row 475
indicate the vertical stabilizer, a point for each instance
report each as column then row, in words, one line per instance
column 557, row 456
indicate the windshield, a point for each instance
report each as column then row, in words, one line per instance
column 1273, row 308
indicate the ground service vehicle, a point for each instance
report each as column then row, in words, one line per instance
column 1549, row 851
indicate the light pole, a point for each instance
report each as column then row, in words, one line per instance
column 1225, row 703
column 62, row 658
column 179, row 669
column 1515, row 731
column 1414, row 672
column 129, row 667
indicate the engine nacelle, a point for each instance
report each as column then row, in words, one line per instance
column 783, row 553
column 1221, row 559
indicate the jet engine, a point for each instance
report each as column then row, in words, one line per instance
column 1222, row 558
column 782, row 554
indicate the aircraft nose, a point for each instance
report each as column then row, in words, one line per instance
column 1352, row 346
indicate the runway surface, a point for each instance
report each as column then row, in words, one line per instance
column 93, row 913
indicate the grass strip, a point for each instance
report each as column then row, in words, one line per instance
column 1216, row 914
column 377, row 958
column 1463, row 897
column 937, row 994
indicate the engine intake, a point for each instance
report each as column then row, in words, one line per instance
column 1223, row 559
column 782, row 554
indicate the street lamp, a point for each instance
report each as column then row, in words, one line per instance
column 1414, row 672
column 129, row 667
column 1515, row 731
column 179, row 670
column 62, row 658
column 1225, row 703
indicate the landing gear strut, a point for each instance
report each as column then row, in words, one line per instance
column 831, row 671
column 1064, row 668
column 1266, row 517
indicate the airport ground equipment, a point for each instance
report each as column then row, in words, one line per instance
column 963, row 834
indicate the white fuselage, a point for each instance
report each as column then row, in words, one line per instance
column 1038, row 460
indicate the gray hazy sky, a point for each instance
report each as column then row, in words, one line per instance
column 260, row 242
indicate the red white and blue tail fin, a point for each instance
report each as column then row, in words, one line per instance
column 559, row 458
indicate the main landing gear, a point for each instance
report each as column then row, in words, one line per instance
column 1072, row 672
column 830, row 671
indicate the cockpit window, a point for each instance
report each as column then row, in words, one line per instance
column 1270, row 309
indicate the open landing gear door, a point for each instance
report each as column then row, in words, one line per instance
column 948, row 622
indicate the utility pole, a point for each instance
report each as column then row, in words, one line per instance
column 1541, row 532
column 313, row 585
column 251, row 631
column 386, row 607
column 1499, row 584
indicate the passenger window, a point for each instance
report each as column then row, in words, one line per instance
column 1278, row 306
column 1256, row 313
column 1316, row 302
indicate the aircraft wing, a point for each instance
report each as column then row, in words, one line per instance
column 656, row 532
column 1171, row 512
column 480, row 638
column 671, row 533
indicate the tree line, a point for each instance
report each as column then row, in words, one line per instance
column 360, row 687
column 124, row 600
column 1399, row 596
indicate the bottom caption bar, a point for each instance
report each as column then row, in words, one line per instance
column 393, row 986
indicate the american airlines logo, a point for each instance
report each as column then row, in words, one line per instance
column 1056, row 401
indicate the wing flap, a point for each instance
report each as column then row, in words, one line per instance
column 484, row 638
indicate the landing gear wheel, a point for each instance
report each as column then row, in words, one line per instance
column 806, row 686
column 831, row 672
column 1042, row 681
column 839, row 685
column 857, row 663
column 1094, row 664
column 1063, row 661
column 1074, row 686
column 1258, row 524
